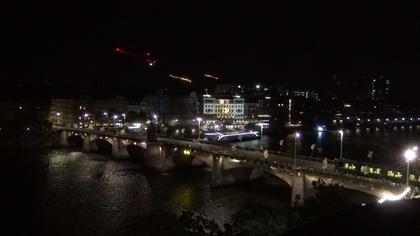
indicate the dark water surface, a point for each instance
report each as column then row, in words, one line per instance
column 67, row 192
column 387, row 144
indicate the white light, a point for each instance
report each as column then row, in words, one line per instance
column 297, row 135
column 395, row 197
column 211, row 76
column 235, row 160
column 58, row 113
column 320, row 129
column 155, row 116
column 341, row 132
column 105, row 113
column 115, row 116
column 85, row 115
column 410, row 154
column 180, row 78
column 257, row 86
column 415, row 148
column 199, row 119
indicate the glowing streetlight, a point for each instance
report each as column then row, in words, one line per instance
column 297, row 136
column 409, row 155
column 262, row 127
column 123, row 115
column 341, row 143
column 199, row 119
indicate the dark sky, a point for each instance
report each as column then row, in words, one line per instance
column 301, row 44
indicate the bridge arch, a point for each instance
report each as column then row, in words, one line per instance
column 104, row 145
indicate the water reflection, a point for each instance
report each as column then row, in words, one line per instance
column 385, row 142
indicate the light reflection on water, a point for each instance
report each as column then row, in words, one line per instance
column 89, row 194
column 387, row 144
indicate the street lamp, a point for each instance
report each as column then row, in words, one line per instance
column 341, row 143
column 123, row 115
column 297, row 135
column 199, row 119
column 57, row 119
column 262, row 127
column 409, row 155
column 156, row 122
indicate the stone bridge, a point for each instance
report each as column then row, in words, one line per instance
column 230, row 166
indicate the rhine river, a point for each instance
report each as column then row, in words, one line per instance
column 67, row 192
column 386, row 144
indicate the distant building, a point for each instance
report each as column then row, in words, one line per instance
column 380, row 89
column 223, row 108
column 70, row 111
column 168, row 105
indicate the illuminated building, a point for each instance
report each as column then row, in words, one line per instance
column 223, row 108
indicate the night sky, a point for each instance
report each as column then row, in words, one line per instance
column 302, row 45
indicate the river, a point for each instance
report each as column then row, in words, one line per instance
column 387, row 144
column 67, row 192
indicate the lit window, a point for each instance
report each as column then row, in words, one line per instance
column 398, row 174
column 390, row 173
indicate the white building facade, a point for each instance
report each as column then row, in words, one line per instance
column 223, row 108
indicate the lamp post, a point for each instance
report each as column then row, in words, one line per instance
column 297, row 135
column 57, row 118
column 341, row 143
column 123, row 115
column 156, row 122
column 409, row 155
column 261, row 125
column 199, row 119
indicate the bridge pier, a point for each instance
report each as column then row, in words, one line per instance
column 64, row 138
column 86, row 144
column 298, row 188
column 118, row 148
column 223, row 172
column 156, row 157
column 217, row 173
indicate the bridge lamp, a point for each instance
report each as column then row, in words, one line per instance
column 409, row 155
column 341, row 142
column 262, row 127
column 297, row 136
column 199, row 119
